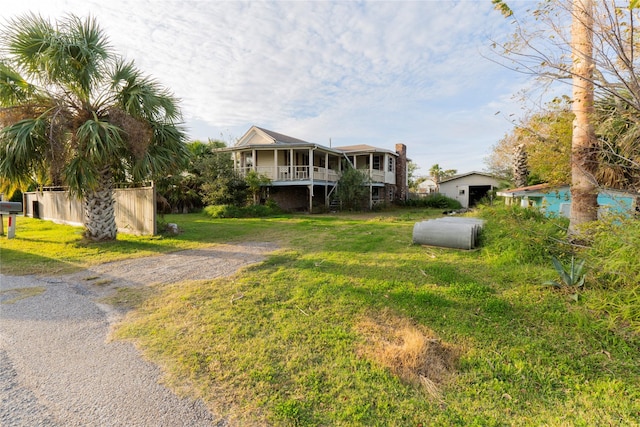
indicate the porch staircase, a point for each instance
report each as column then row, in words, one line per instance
column 335, row 204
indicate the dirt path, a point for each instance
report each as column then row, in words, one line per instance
column 57, row 367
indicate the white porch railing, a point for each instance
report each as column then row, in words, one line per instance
column 377, row 176
column 294, row 173
column 266, row 171
column 324, row 174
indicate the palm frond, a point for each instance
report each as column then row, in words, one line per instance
column 13, row 88
column 99, row 141
column 142, row 96
column 23, row 147
column 81, row 174
column 167, row 153
column 74, row 56
column 86, row 53
column 28, row 38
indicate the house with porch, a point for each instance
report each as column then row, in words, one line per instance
column 305, row 174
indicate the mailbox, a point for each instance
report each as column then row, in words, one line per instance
column 11, row 209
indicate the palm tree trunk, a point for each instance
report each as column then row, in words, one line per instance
column 99, row 210
column 584, row 203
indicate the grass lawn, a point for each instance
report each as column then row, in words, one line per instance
column 350, row 324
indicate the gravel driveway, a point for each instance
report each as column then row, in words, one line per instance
column 57, row 367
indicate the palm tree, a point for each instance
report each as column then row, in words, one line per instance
column 435, row 171
column 438, row 174
column 584, row 193
column 74, row 113
column 584, row 165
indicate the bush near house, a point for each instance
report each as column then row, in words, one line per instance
column 436, row 201
column 250, row 211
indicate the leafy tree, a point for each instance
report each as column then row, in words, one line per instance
column 256, row 184
column 352, row 188
column 546, row 137
column 229, row 189
column 222, row 185
column 413, row 181
column 76, row 113
column 182, row 191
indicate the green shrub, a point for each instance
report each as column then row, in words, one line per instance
column 222, row 211
column 252, row 211
column 614, row 252
column 614, row 271
column 515, row 235
column 435, row 201
column 352, row 190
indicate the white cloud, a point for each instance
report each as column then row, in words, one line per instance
column 376, row 72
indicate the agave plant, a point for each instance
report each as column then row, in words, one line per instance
column 569, row 277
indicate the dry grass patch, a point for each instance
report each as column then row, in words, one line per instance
column 410, row 351
column 128, row 298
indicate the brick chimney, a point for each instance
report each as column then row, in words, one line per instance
column 402, row 187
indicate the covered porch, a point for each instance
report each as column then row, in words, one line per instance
column 287, row 165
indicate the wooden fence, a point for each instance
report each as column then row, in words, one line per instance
column 135, row 208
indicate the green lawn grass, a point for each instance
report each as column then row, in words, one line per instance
column 290, row 342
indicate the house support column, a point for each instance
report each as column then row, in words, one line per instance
column 326, row 180
column 292, row 169
column 370, row 180
column 311, row 198
column 326, row 195
column 276, row 176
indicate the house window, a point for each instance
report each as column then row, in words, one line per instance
column 302, row 159
column 391, row 164
column 376, row 162
column 461, row 192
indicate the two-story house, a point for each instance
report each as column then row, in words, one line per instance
column 305, row 174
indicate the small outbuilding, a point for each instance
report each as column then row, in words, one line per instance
column 468, row 188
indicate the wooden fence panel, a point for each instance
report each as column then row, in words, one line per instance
column 135, row 208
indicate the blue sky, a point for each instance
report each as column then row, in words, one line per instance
column 366, row 72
